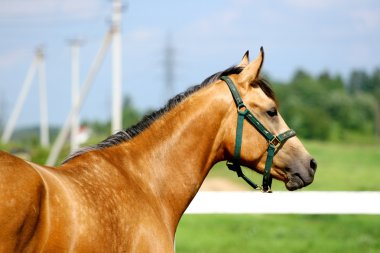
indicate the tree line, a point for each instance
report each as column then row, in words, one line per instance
column 321, row 107
column 327, row 107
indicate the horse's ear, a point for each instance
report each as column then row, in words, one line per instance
column 252, row 70
column 245, row 60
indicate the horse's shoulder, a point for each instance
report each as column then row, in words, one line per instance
column 15, row 171
column 21, row 188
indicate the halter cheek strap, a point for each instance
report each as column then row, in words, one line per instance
column 274, row 142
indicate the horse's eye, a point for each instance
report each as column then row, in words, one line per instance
column 272, row 112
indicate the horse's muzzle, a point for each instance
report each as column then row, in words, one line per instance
column 299, row 180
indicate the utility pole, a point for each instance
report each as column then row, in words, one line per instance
column 75, row 88
column 113, row 35
column 2, row 108
column 117, row 96
column 44, row 124
column 11, row 123
column 169, row 67
column 85, row 88
column 38, row 65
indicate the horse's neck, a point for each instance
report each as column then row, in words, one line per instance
column 178, row 150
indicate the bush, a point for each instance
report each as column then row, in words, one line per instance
column 322, row 108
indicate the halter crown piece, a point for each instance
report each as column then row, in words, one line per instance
column 274, row 142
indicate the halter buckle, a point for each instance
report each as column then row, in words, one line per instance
column 275, row 141
column 231, row 166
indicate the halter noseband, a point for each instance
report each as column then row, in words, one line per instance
column 274, row 141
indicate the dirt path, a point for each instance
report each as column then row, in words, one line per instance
column 221, row 184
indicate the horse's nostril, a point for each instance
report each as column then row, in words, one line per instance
column 313, row 164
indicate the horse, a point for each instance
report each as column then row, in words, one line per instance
column 128, row 192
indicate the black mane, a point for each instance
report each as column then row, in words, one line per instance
column 147, row 120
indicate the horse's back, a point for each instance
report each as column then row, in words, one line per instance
column 67, row 209
column 21, row 190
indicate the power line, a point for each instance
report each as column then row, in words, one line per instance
column 169, row 63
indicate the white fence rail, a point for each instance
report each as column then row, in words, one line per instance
column 318, row 202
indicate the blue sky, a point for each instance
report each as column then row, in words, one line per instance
column 208, row 36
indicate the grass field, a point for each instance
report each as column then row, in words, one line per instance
column 347, row 167
column 341, row 167
column 278, row 233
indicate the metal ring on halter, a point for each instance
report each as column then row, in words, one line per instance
column 275, row 142
column 242, row 109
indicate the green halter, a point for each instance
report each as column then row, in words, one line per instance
column 273, row 141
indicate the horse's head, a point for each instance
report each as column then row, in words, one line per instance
column 292, row 164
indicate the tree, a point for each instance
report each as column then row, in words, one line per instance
column 331, row 82
column 323, row 108
column 130, row 117
column 130, row 114
column 360, row 81
column 301, row 76
column 376, row 85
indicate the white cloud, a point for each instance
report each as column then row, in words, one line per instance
column 143, row 34
column 223, row 20
column 50, row 8
column 19, row 7
column 12, row 57
column 368, row 19
column 315, row 5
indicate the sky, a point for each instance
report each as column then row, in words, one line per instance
column 207, row 37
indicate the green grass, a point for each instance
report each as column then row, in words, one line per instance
column 278, row 233
column 353, row 167
column 341, row 167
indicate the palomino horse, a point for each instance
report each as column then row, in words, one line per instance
column 128, row 193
